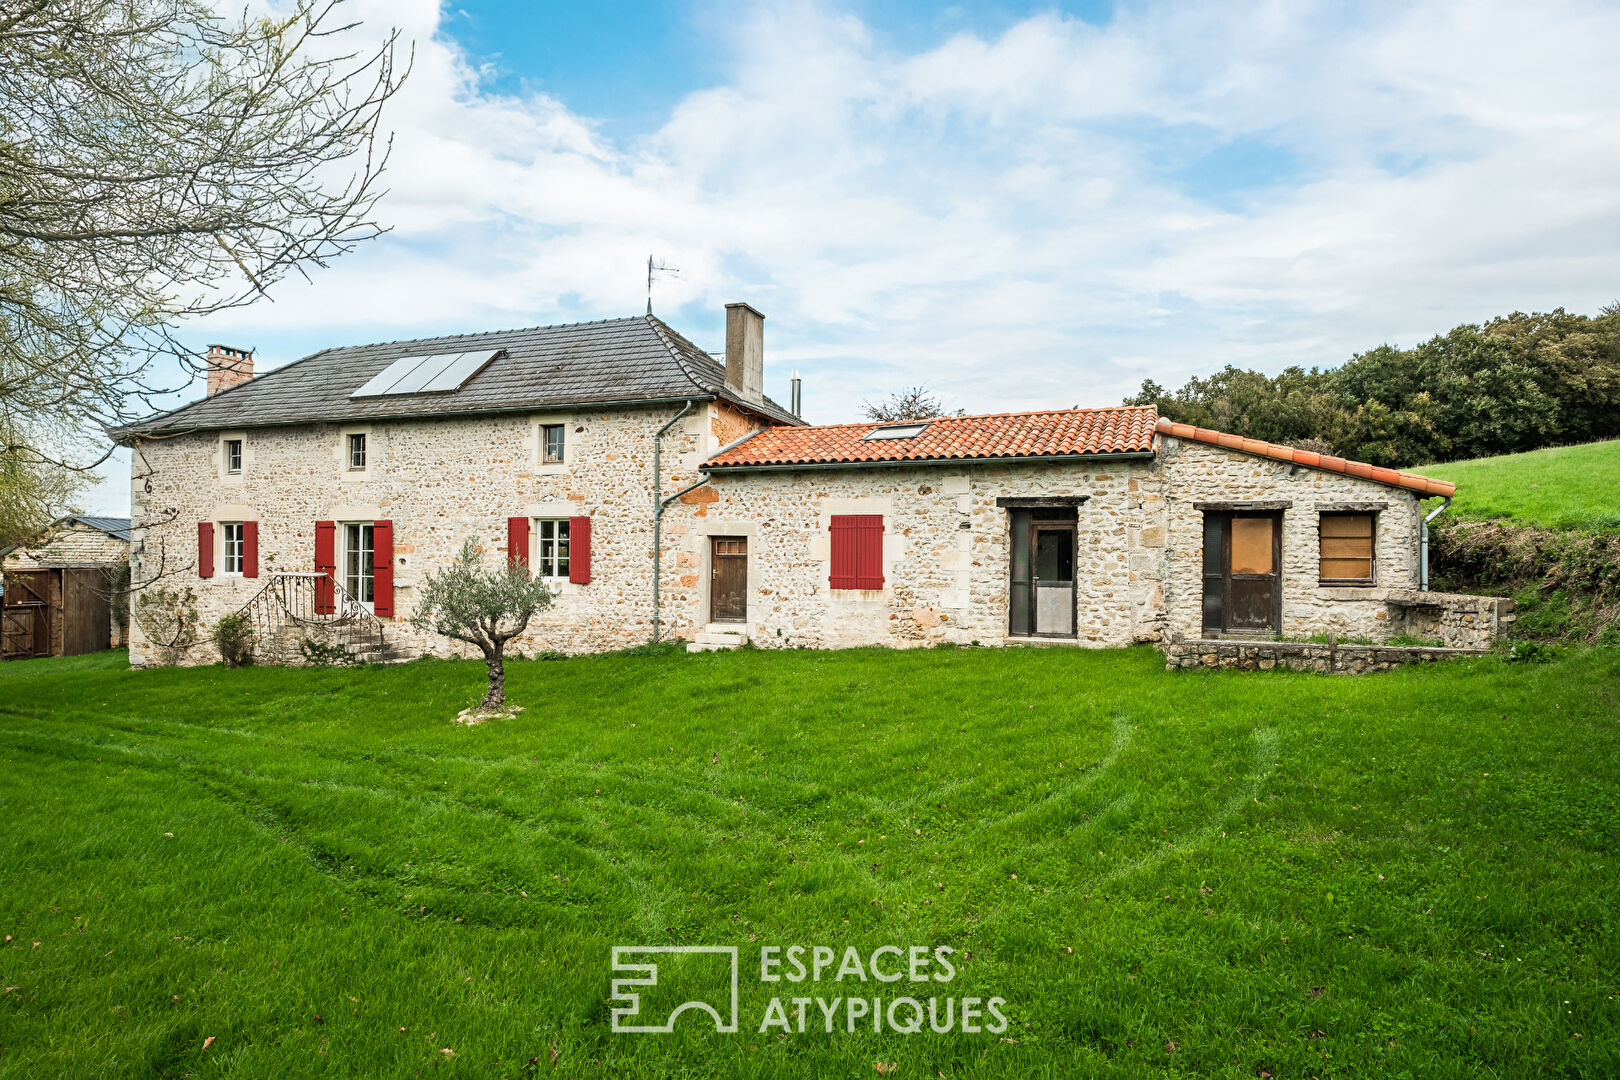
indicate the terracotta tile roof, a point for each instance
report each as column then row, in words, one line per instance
column 1053, row 433
column 1410, row 481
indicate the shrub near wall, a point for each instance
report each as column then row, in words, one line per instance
column 1566, row 583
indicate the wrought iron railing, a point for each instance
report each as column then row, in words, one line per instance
column 299, row 606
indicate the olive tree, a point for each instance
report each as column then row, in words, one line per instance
column 483, row 606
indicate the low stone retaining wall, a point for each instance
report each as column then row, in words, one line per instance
column 1300, row 655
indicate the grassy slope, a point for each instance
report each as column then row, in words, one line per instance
column 1565, row 487
column 1402, row 875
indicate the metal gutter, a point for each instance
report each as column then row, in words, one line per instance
column 1133, row 455
column 658, row 505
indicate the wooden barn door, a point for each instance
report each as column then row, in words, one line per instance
column 728, row 579
column 26, row 628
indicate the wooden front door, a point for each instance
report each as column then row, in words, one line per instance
column 728, row 579
column 1242, row 572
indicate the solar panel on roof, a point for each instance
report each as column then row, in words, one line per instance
column 462, row 368
column 418, row 377
column 427, row 374
column 385, row 379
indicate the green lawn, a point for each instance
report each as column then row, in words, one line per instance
column 1565, row 487
column 1190, row 873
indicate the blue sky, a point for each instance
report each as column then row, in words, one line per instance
column 1020, row 206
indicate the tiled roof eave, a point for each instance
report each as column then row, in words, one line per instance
column 977, row 459
column 1361, row 470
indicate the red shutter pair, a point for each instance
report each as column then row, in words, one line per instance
column 579, row 546
column 205, row 549
column 857, row 551
column 382, row 567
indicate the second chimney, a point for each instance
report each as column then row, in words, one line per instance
column 745, row 351
column 228, row 367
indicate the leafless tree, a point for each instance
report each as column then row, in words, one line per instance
column 158, row 162
column 912, row 403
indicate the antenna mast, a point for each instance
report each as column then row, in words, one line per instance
column 657, row 268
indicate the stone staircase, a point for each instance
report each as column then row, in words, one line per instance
column 718, row 636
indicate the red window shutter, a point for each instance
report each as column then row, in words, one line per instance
column 250, row 549
column 325, row 563
column 857, row 551
column 205, row 549
column 579, row 550
column 517, row 541
column 382, row 568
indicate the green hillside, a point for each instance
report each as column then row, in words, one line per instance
column 1563, row 487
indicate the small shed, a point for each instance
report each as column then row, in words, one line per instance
column 66, row 589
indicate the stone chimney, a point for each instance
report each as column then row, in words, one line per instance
column 227, row 367
column 745, row 352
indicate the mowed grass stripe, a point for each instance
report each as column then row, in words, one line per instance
column 1484, row 793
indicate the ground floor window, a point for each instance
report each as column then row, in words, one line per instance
column 233, row 546
column 1347, row 549
column 359, row 565
column 551, row 547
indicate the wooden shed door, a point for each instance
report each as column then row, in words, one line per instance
column 27, row 624
column 728, row 579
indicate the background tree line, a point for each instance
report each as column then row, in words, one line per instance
column 1519, row 382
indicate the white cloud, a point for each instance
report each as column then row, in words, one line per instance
column 1019, row 220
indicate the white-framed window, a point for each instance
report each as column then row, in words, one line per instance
column 357, row 451
column 232, row 531
column 359, row 566
column 551, row 547
column 233, row 456
column 553, row 443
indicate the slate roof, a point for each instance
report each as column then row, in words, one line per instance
column 112, row 526
column 1051, row 433
column 614, row 361
column 1394, row 478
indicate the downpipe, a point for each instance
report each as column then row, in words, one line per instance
column 658, row 505
column 1423, row 554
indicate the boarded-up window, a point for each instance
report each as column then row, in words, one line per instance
column 1251, row 545
column 1347, row 549
column 857, row 551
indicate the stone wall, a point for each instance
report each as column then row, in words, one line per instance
column 1300, row 656
column 71, row 543
column 945, row 547
column 1197, row 472
column 439, row 481
column 945, row 550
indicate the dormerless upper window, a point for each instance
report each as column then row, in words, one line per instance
column 233, row 455
column 357, row 451
column 551, row 443
column 1348, row 556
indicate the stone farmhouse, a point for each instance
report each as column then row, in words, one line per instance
column 664, row 494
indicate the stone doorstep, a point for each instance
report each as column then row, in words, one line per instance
column 1215, row 645
column 1043, row 642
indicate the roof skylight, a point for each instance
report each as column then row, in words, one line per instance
column 427, row 374
column 898, row 431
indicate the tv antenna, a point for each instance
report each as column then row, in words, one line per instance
column 657, row 267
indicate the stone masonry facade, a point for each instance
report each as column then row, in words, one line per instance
column 439, row 481
column 945, row 545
